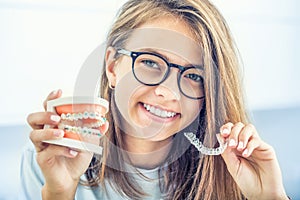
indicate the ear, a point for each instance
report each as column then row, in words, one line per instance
column 110, row 62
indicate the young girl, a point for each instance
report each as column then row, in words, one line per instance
column 170, row 68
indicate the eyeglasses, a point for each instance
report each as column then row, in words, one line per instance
column 152, row 69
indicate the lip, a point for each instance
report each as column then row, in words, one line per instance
column 155, row 117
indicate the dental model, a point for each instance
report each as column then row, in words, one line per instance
column 206, row 150
column 83, row 122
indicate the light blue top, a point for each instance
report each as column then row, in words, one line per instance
column 32, row 181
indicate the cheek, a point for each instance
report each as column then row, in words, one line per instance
column 122, row 70
column 125, row 92
column 192, row 110
column 125, row 83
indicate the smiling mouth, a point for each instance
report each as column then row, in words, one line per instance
column 159, row 112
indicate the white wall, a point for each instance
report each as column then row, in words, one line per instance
column 266, row 33
column 44, row 43
column 42, row 47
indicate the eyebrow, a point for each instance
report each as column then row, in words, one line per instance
column 150, row 50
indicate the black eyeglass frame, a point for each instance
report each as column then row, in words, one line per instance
column 182, row 69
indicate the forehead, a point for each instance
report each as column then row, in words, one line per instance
column 165, row 40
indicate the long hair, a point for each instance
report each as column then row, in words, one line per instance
column 190, row 176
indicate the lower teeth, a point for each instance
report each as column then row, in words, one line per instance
column 80, row 130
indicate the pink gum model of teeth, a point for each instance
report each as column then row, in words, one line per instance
column 83, row 121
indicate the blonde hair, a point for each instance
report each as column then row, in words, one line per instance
column 191, row 176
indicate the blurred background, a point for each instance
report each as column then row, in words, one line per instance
column 44, row 43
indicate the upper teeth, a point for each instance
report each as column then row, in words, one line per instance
column 84, row 115
column 159, row 112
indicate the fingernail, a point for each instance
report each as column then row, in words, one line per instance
column 58, row 133
column 55, row 118
column 54, row 92
column 73, row 153
column 232, row 143
column 225, row 131
column 241, row 145
column 245, row 152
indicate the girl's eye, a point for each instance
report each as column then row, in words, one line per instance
column 194, row 77
column 150, row 63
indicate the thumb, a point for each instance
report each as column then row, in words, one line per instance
column 232, row 161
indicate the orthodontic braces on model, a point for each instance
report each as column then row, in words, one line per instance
column 82, row 120
column 87, row 129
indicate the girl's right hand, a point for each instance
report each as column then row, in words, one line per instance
column 61, row 166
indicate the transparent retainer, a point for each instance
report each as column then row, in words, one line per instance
column 206, row 150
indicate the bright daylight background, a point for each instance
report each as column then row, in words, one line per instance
column 44, row 43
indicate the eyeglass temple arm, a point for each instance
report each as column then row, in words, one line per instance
column 125, row 52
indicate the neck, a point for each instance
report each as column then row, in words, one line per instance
column 147, row 154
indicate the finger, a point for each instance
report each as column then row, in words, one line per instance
column 39, row 136
column 252, row 144
column 232, row 160
column 53, row 95
column 104, row 128
column 226, row 129
column 39, row 119
column 245, row 135
column 47, row 157
column 234, row 134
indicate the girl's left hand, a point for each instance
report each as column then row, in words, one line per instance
column 252, row 163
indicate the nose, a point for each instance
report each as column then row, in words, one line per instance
column 169, row 87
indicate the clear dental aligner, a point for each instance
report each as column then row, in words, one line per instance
column 205, row 150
